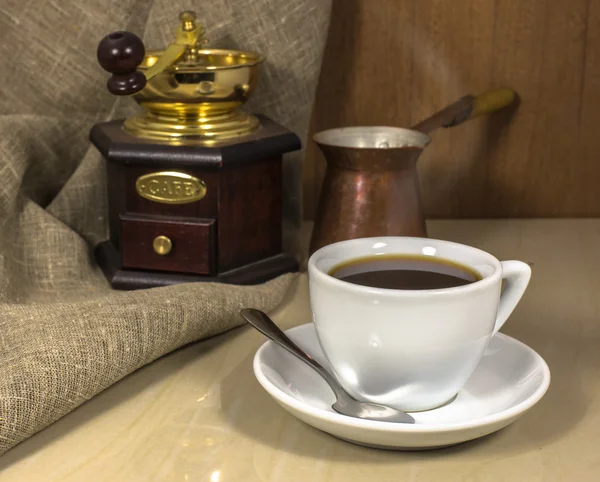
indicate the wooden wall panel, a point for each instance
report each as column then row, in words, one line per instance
column 393, row 62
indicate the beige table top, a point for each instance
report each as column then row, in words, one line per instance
column 200, row 415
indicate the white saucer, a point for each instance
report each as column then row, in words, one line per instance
column 509, row 380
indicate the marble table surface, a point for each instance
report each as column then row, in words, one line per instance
column 198, row 414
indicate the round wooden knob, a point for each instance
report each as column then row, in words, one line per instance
column 120, row 53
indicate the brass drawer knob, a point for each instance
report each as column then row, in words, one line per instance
column 162, row 245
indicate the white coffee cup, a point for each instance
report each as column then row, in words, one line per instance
column 409, row 349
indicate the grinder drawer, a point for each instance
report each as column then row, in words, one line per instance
column 168, row 244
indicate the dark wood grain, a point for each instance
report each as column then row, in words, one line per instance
column 116, row 190
column 132, row 279
column 271, row 139
column 395, row 63
column 250, row 224
column 235, row 228
column 193, row 244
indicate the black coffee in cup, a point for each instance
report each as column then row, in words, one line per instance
column 405, row 272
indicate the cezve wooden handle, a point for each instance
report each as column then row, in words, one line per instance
column 468, row 107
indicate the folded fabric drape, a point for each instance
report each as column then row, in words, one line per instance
column 64, row 334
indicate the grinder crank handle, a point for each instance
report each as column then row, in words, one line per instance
column 121, row 53
column 467, row 107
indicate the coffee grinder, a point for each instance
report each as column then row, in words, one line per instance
column 194, row 181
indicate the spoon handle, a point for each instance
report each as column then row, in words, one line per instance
column 267, row 327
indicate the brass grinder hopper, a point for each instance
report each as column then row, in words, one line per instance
column 189, row 94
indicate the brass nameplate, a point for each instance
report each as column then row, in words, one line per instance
column 170, row 187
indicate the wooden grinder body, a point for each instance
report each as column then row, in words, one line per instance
column 232, row 234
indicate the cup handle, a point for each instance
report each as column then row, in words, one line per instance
column 517, row 275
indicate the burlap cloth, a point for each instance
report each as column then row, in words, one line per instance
column 64, row 334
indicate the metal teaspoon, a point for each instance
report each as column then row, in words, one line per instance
column 345, row 404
